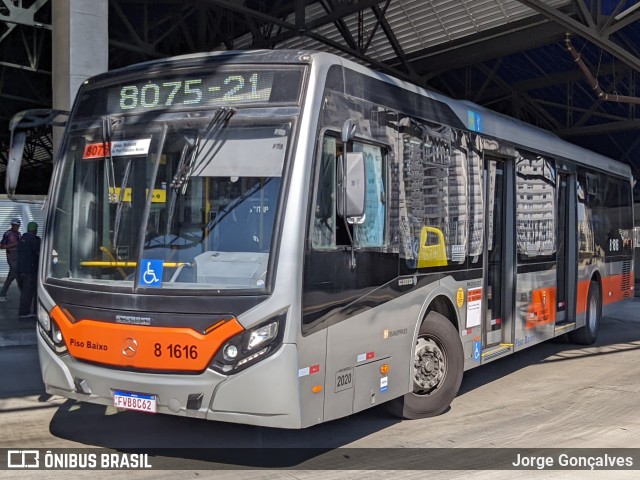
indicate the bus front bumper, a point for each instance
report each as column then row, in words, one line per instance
column 265, row 394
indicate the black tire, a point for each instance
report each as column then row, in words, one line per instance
column 438, row 369
column 587, row 334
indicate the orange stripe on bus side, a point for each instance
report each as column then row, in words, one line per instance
column 612, row 284
column 581, row 298
column 612, row 290
column 143, row 347
column 542, row 308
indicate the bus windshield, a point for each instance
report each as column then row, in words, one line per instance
column 177, row 203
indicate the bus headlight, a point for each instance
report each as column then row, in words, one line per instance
column 56, row 334
column 262, row 335
column 230, row 352
column 44, row 318
column 50, row 331
column 250, row 346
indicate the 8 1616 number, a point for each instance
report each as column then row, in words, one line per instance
column 176, row 351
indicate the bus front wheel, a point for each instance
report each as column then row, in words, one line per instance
column 437, row 370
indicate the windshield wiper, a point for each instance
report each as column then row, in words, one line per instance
column 190, row 155
column 109, row 170
column 188, row 159
column 120, row 200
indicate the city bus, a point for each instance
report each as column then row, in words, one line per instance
column 283, row 238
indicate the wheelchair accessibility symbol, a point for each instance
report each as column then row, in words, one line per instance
column 151, row 273
column 477, row 349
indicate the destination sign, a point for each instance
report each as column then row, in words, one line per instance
column 215, row 89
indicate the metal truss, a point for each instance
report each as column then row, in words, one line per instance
column 25, row 73
column 472, row 67
column 604, row 32
column 596, row 30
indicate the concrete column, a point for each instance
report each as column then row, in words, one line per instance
column 80, row 48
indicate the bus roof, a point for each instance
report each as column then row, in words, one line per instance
column 507, row 128
column 493, row 124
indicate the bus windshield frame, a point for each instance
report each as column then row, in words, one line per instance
column 161, row 199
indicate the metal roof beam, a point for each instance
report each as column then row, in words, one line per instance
column 490, row 77
column 22, row 16
column 329, row 7
column 293, row 30
column 124, row 19
column 559, row 78
column 379, row 65
column 626, row 153
column 380, row 17
column 605, row 128
column 540, row 112
column 25, row 67
column 584, row 31
column 393, row 40
column 342, row 11
column 573, row 108
column 513, row 38
column 139, row 45
column 585, row 13
column 628, row 20
column 612, row 17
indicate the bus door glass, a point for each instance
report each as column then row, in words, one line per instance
column 566, row 259
column 495, row 187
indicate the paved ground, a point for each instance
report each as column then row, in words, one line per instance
column 14, row 331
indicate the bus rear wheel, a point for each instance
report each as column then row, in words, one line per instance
column 587, row 334
column 438, row 368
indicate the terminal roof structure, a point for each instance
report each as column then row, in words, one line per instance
column 569, row 66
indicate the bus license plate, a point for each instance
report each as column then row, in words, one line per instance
column 134, row 401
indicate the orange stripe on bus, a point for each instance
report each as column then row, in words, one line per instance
column 542, row 308
column 143, row 347
column 613, row 284
column 613, row 290
column 581, row 298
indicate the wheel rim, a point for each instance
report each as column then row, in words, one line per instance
column 593, row 313
column 430, row 364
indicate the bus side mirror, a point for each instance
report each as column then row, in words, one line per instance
column 352, row 195
column 16, row 149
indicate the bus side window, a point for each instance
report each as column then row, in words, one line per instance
column 371, row 233
column 329, row 229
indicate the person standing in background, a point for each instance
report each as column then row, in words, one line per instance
column 9, row 243
column 28, row 256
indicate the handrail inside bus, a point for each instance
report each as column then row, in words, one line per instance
column 124, row 264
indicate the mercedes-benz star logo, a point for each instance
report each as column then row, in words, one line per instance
column 129, row 347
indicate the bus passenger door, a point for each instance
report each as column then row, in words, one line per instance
column 566, row 254
column 498, row 284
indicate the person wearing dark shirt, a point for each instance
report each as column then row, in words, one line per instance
column 28, row 255
column 9, row 243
